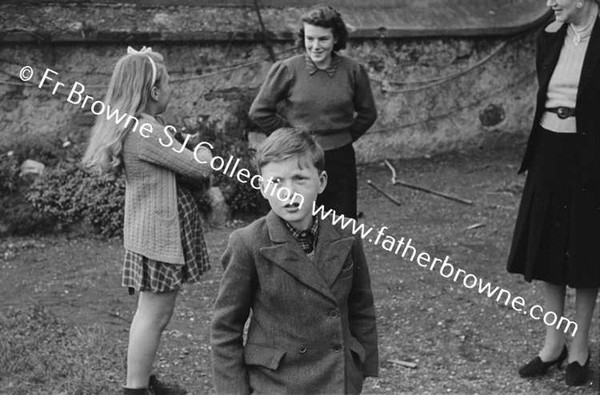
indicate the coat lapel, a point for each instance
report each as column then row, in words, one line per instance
column 331, row 254
column 288, row 255
column 591, row 59
column 332, row 251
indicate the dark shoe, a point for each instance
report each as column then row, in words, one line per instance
column 576, row 374
column 135, row 391
column 537, row 367
column 157, row 387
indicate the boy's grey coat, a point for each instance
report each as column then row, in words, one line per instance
column 313, row 324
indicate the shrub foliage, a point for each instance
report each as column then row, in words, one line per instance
column 68, row 194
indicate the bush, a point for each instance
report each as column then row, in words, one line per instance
column 9, row 173
column 48, row 149
column 16, row 214
column 20, row 219
column 241, row 198
column 70, row 194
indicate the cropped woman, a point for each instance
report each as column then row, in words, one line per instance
column 557, row 233
column 326, row 94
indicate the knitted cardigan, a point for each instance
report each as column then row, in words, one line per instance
column 151, row 224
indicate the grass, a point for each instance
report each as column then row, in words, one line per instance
column 40, row 354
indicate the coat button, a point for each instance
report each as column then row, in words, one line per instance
column 302, row 349
column 337, row 347
column 333, row 313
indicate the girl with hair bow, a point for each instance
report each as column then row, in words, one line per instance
column 163, row 240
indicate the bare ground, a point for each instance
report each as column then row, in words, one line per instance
column 461, row 341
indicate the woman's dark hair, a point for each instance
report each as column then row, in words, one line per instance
column 327, row 17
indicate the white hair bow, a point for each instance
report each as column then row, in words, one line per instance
column 145, row 51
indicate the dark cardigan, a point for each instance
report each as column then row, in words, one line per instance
column 587, row 108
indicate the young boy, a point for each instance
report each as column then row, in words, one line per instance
column 306, row 282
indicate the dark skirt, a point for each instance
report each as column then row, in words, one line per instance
column 143, row 274
column 557, row 233
column 340, row 192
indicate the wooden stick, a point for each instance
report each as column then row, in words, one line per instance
column 475, row 226
column 375, row 187
column 406, row 364
column 423, row 189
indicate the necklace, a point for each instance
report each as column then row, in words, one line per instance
column 581, row 34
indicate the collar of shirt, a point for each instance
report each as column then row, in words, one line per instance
column 581, row 35
column 306, row 238
column 312, row 68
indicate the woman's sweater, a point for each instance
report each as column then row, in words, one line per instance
column 336, row 105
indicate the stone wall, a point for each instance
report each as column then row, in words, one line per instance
column 433, row 94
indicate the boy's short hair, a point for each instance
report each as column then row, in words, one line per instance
column 287, row 142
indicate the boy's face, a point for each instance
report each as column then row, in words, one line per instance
column 291, row 186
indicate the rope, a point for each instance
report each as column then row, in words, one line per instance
column 440, row 80
column 265, row 33
column 453, row 110
column 429, row 83
column 218, row 71
column 434, row 82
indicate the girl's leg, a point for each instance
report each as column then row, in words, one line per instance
column 554, row 300
column 152, row 316
column 585, row 301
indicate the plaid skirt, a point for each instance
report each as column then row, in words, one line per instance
column 143, row 274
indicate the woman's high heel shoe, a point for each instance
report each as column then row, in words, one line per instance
column 576, row 374
column 537, row 367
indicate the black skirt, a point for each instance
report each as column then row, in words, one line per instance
column 557, row 233
column 341, row 189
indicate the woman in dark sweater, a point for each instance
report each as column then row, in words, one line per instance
column 557, row 234
column 326, row 94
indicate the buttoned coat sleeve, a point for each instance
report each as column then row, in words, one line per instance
column 232, row 308
column 364, row 104
column 361, row 310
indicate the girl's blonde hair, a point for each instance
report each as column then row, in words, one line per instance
column 128, row 92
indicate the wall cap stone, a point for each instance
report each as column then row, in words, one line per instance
column 146, row 21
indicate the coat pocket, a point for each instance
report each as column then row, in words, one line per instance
column 358, row 349
column 348, row 266
column 347, row 271
column 268, row 357
column 165, row 228
column 162, row 232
